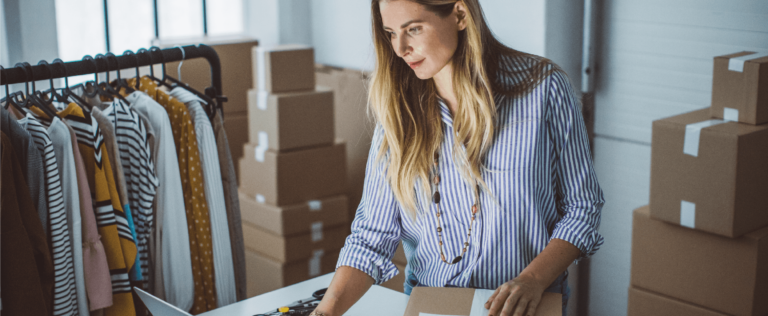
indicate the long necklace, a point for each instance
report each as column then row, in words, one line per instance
column 436, row 200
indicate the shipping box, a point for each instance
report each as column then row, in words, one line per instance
column 709, row 175
column 236, row 68
column 283, row 68
column 644, row 303
column 286, row 178
column 294, row 219
column 266, row 275
column 468, row 301
column 740, row 87
column 293, row 248
column 723, row 274
column 291, row 120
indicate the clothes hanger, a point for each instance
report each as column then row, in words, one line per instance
column 31, row 99
column 210, row 105
column 119, row 83
column 95, row 84
column 105, row 87
column 66, row 91
column 54, row 95
column 138, row 74
column 9, row 100
column 162, row 61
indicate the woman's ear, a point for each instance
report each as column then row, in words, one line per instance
column 460, row 10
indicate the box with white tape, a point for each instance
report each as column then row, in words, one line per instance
column 643, row 303
column 265, row 274
column 709, row 174
column 444, row 301
column 286, row 178
column 283, row 68
column 729, row 275
column 740, row 87
column 285, row 121
column 294, row 219
column 297, row 247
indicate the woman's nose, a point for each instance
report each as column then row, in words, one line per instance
column 402, row 48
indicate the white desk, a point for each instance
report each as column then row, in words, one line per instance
column 378, row 301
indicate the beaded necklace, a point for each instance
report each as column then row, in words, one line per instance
column 436, row 200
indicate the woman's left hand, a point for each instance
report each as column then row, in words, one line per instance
column 518, row 297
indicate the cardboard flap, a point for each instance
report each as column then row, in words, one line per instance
column 458, row 302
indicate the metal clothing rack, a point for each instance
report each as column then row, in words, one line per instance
column 84, row 67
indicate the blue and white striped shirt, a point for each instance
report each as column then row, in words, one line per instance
column 541, row 174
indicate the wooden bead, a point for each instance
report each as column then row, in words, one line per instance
column 436, row 179
column 473, row 217
column 436, row 197
column 474, row 209
column 456, row 260
column 440, row 242
column 442, row 256
column 466, row 244
column 437, row 214
column 439, row 229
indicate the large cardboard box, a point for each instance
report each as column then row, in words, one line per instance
column 266, row 275
column 740, row 87
column 284, row 68
column 236, row 75
column 644, row 303
column 468, row 301
column 350, row 99
column 235, row 124
column 285, row 178
column 294, row 219
column 709, row 175
column 396, row 283
column 296, row 247
column 291, row 120
column 724, row 274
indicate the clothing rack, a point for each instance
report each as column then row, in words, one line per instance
column 84, row 67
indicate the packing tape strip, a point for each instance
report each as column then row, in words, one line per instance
column 315, row 262
column 262, row 97
column 260, row 198
column 737, row 63
column 687, row 214
column 730, row 114
column 315, row 205
column 317, row 231
column 261, row 71
column 261, row 149
column 693, row 133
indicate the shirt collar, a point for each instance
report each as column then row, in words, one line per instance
column 445, row 112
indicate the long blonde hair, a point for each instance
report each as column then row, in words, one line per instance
column 407, row 108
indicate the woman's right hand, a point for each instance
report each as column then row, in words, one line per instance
column 347, row 287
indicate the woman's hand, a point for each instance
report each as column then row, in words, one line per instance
column 518, row 297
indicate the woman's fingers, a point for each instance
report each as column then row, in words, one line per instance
column 532, row 307
column 490, row 299
column 516, row 298
column 498, row 302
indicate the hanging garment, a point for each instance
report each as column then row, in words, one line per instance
column 98, row 281
column 23, row 291
column 59, row 239
column 229, row 181
column 116, row 237
column 172, row 276
column 194, row 195
column 131, row 136
column 214, row 193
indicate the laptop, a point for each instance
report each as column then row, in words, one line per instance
column 157, row 306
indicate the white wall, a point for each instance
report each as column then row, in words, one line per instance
column 3, row 37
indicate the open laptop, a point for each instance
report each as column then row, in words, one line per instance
column 157, row 306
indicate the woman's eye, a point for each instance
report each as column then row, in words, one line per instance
column 414, row 30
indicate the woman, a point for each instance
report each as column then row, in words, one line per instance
column 509, row 206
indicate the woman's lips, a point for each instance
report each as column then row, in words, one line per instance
column 415, row 64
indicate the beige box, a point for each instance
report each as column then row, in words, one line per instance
column 236, row 68
column 723, row 274
column 283, row 68
column 644, row 303
column 458, row 301
column 396, row 283
column 296, row 247
column 740, row 87
column 291, row 120
column 294, row 219
column 266, row 275
column 286, row 178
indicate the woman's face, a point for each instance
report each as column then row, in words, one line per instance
column 424, row 40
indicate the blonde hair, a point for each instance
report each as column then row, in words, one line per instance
column 407, row 108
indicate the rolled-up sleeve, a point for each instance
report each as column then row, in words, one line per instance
column 579, row 196
column 376, row 227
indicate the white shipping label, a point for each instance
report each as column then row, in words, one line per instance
column 261, row 71
column 737, row 63
column 478, row 302
column 262, row 97
column 317, row 231
column 315, row 205
column 693, row 133
column 730, row 114
column 260, row 198
column 687, row 214
column 261, row 149
column 315, row 263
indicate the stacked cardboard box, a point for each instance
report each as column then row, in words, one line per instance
column 701, row 246
column 293, row 173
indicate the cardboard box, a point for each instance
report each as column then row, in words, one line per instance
column 396, row 283
column 350, row 102
column 460, row 301
column 293, row 248
column 234, row 125
column 291, row 120
column 266, row 275
column 724, row 274
column 643, row 303
column 236, row 68
column 740, row 87
column 284, row 68
column 722, row 189
column 286, row 178
column 294, row 219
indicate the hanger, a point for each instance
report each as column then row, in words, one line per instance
column 105, row 87
column 162, row 61
column 31, row 99
column 138, row 75
column 9, row 100
column 54, row 95
column 95, row 84
column 119, row 83
column 210, row 107
column 66, row 91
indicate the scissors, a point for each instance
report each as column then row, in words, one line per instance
column 298, row 308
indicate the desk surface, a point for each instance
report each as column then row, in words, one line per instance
column 378, row 301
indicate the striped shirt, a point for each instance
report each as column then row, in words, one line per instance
column 542, row 186
column 141, row 182
column 64, row 294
